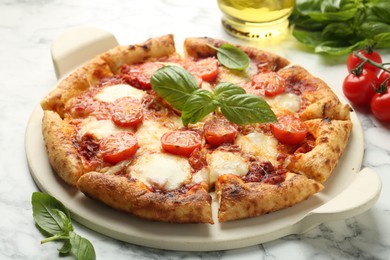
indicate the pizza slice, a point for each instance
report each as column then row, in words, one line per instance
column 158, row 187
column 240, row 199
column 327, row 140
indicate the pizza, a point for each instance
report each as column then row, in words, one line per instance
column 161, row 135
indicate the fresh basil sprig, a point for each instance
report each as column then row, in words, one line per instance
column 53, row 220
column 231, row 57
column 338, row 27
column 195, row 103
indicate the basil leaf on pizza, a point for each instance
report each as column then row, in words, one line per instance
column 179, row 88
column 227, row 89
column 231, row 57
column 198, row 105
column 245, row 109
column 174, row 84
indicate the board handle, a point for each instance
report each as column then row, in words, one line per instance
column 358, row 197
column 77, row 45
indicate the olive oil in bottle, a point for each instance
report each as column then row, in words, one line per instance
column 256, row 18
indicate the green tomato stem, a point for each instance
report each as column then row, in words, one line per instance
column 367, row 60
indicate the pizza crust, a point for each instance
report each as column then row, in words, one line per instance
column 331, row 138
column 320, row 101
column 239, row 199
column 198, row 48
column 83, row 78
column 61, row 152
column 134, row 197
column 130, row 54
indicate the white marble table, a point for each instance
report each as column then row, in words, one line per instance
column 27, row 29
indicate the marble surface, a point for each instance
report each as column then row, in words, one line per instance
column 27, row 29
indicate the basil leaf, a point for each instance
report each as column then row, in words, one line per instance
column 371, row 29
column 245, row 109
column 227, row 89
column 382, row 11
column 336, row 48
column 308, row 37
column 231, row 56
column 382, row 40
column 337, row 31
column 81, row 247
column 45, row 213
column 334, row 16
column 307, row 7
column 66, row 248
column 174, row 84
column 67, row 223
column 199, row 105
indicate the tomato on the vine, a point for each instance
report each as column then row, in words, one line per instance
column 380, row 106
column 384, row 75
column 360, row 89
column 380, row 102
column 353, row 61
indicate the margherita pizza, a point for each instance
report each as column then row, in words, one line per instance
column 154, row 133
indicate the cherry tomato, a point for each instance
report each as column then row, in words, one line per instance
column 127, row 112
column 118, row 147
column 269, row 84
column 380, row 106
column 384, row 75
column 289, row 129
column 181, row 142
column 353, row 61
column 360, row 89
column 139, row 75
column 218, row 131
column 206, row 69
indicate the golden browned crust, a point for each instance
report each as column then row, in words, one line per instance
column 61, row 152
column 197, row 48
column 134, row 197
column 104, row 66
column 331, row 138
column 320, row 101
column 240, row 200
column 153, row 48
column 86, row 76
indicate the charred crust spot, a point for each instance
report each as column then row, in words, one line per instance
column 234, row 192
column 132, row 47
column 146, row 46
column 324, row 139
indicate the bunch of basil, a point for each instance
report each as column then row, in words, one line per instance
column 340, row 26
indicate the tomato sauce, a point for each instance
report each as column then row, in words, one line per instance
column 265, row 172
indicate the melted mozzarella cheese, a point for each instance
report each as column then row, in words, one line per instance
column 201, row 176
column 148, row 136
column 286, row 101
column 112, row 93
column 222, row 162
column 259, row 144
column 98, row 128
column 162, row 171
column 237, row 77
